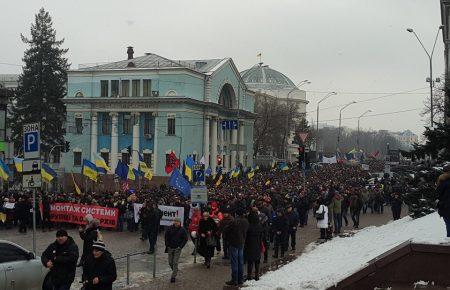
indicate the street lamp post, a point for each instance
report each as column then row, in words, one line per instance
column 285, row 141
column 317, row 121
column 340, row 118
column 357, row 136
column 430, row 59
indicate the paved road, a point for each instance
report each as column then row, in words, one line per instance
column 191, row 276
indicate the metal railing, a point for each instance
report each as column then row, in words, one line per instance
column 128, row 257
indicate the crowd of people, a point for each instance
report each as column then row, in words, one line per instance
column 246, row 218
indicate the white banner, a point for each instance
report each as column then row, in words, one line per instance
column 329, row 160
column 365, row 167
column 9, row 205
column 169, row 214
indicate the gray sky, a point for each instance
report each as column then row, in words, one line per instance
column 347, row 46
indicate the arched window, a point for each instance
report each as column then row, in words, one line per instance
column 227, row 96
column 79, row 95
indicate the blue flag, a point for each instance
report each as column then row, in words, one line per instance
column 122, row 170
column 179, row 182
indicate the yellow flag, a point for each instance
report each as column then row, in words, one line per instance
column 77, row 189
column 148, row 174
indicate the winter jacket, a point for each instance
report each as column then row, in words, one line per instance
column 103, row 268
column 396, row 203
column 355, row 203
column 152, row 219
column 195, row 220
column 64, row 258
column 253, row 242
column 323, row 223
column 280, row 224
column 225, row 223
column 237, row 232
column 89, row 236
column 443, row 191
column 293, row 220
column 336, row 203
column 204, row 227
column 176, row 237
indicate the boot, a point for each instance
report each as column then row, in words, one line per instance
column 256, row 271
column 249, row 272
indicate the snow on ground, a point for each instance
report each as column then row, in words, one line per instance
column 322, row 266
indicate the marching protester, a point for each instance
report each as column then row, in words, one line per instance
column 253, row 245
column 89, row 234
column 207, row 231
column 175, row 240
column 280, row 228
column 152, row 225
column 60, row 258
column 225, row 223
column 396, row 206
column 236, row 234
column 99, row 269
column 322, row 219
column 443, row 191
column 355, row 209
column 293, row 221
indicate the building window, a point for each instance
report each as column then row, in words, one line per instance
column 147, row 120
column 78, row 125
column 79, row 95
column 76, row 158
column 103, row 88
column 126, row 124
column 125, row 88
column 147, row 87
column 105, row 156
column 148, row 159
column 106, row 124
column 171, row 126
column 126, row 157
column 136, row 88
column 114, row 88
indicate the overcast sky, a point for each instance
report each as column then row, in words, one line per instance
column 353, row 47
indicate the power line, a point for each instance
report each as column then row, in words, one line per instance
column 366, row 93
column 373, row 115
column 11, row 64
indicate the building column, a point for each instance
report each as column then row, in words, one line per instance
column 206, row 140
column 114, row 139
column 234, row 143
column 214, row 145
column 94, row 134
column 241, row 142
column 136, row 138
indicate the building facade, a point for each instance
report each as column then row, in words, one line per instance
column 268, row 82
column 406, row 137
column 152, row 106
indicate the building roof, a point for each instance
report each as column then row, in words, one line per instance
column 154, row 61
column 9, row 80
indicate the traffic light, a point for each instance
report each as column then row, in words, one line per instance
column 219, row 161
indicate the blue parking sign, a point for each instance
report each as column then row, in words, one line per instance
column 31, row 141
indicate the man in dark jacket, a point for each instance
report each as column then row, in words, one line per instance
column 293, row 221
column 280, row 228
column 154, row 218
column 99, row 270
column 396, row 205
column 443, row 190
column 22, row 210
column 61, row 258
column 175, row 239
column 236, row 234
column 224, row 224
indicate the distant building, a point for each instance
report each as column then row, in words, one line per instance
column 406, row 137
column 267, row 82
column 9, row 81
column 8, row 84
column 150, row 106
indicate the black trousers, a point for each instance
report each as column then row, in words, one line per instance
column 279, row 244
column 152, row 236
column 291, row 235
column 250, row 264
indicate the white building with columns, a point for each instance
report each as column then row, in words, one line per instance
column 152, row 106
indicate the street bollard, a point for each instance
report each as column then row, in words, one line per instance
column 128, row 269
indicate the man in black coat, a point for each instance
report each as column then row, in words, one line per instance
column 396, row 205
column 153, row 220
column 99, row 270
column 293, row 221
column 175, row 240
column 22, row 210
column 280, row 227
column 443, row 190
column 61, row 258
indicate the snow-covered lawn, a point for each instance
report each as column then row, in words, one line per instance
column 322, row 266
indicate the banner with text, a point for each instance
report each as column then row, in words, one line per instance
column 74, row 213
column 169, row 213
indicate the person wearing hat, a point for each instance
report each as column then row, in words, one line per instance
column 89, row 235
column 175, row 239
column 443, row 191
column 99, row 269
column 60, row 258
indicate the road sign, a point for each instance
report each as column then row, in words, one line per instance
column 198, row 175
column 199, row 194
column 31, row 165
column 31, row 181
column 238, row 147
column 31, row 141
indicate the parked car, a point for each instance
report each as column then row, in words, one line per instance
column 20, row 268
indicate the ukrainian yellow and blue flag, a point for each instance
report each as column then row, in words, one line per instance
column 144, row 169
column 4, row 170
column 18, row 162
column 132, row 173
column 236, row 172
column 90, row 170
column 188, row 169
column 47, row 173
column 283, row 166
column 77, row 188
column 251, row 173
column 100, row 163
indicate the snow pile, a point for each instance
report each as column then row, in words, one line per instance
column 322, row 266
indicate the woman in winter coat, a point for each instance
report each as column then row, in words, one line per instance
column 193, row 226
column 253, row 245
column 322, row 224
column 89, row 235
column 207, row 233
